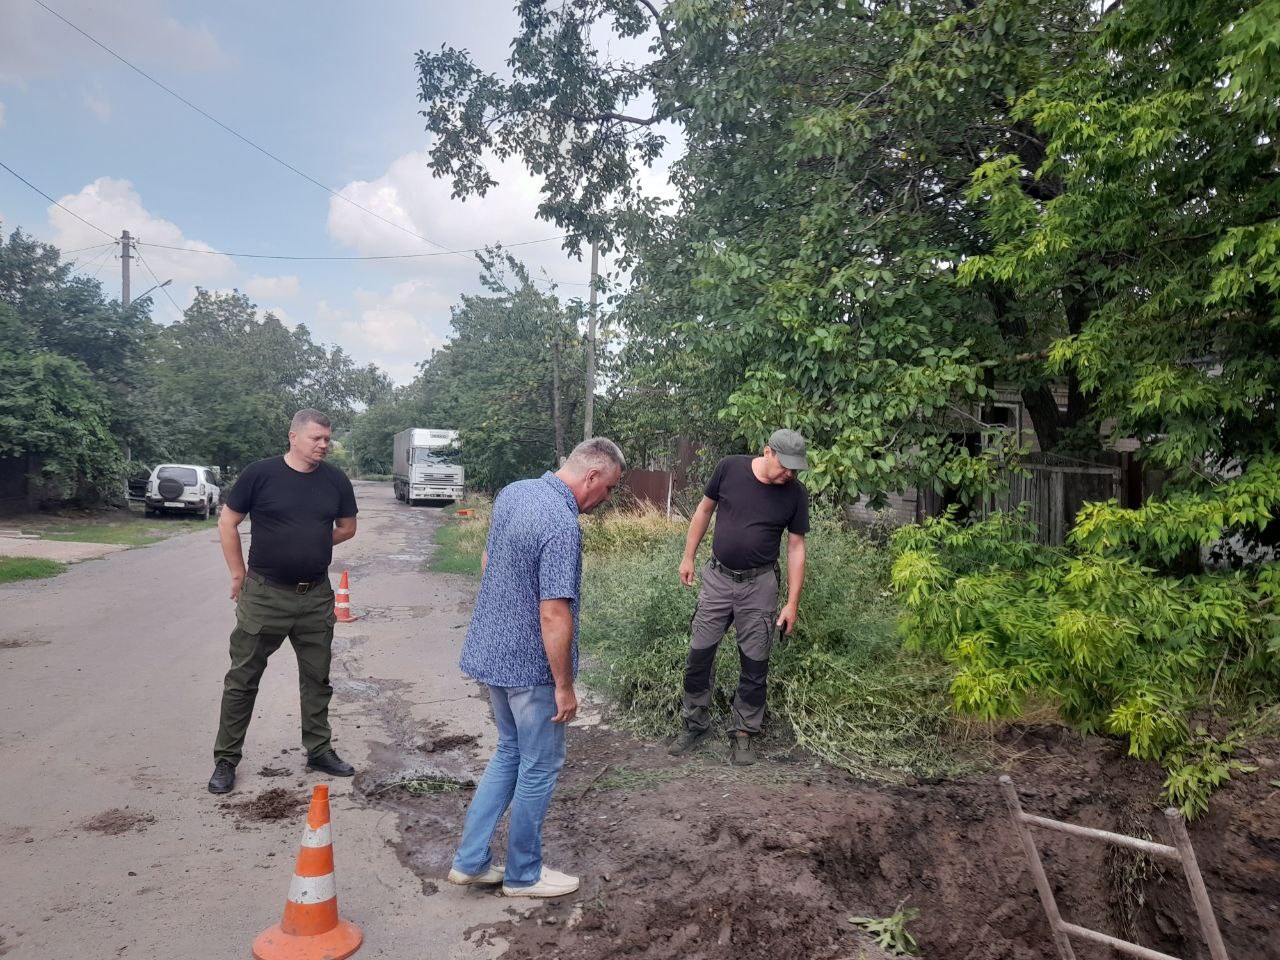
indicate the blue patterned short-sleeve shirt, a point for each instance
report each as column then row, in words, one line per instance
column 535, row 554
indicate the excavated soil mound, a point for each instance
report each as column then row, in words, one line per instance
column 278, row 803
column 701, row 861
column 117, row 821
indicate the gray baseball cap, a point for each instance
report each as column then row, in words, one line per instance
column 789, row 447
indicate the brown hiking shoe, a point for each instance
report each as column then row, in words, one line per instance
column 742, row 753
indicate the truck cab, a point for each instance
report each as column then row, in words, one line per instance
column 427, row 466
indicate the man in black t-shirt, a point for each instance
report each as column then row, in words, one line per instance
column 301, row 507
column 756, row 498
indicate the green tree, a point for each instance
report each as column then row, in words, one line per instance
column 227, row 381
column 1161, row 136
column 72, row 365
column 822, row 213
column 1163, row 140
column 50, row 407
column 509, row 381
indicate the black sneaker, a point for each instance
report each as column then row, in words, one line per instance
column 688, row 742
column 224, row 777
column 329, row 762
column 742, row 753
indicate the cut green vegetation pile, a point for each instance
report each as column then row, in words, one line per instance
column 842, row 685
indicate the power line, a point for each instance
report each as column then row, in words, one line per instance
column 235, row 133
column 159, row 285
column 97, row 246
column 67, row 253
column 105, row 259
column 104, row 255
column 53, row 201
column 387, row 256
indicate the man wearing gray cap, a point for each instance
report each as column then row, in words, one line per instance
column 758, row 498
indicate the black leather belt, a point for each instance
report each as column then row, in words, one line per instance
column 291, row 587
column 742, row 576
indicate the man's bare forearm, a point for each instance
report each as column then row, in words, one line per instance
column 795, row 572
column 697, row 530
column 557, row 640
column 232, row 550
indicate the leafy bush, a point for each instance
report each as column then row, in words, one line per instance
column 1117, row 645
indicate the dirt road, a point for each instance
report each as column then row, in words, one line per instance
column 110, row 678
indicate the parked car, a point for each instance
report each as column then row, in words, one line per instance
column 182, row 488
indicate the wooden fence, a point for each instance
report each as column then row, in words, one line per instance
column 1052, row 489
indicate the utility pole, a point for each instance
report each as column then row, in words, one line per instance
column 591, row 345
column 125, row 240
column 557, row 424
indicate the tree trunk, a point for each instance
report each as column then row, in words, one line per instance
column 1079, row 404
column 1042, row 408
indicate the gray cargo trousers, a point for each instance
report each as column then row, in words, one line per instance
column 751, row 608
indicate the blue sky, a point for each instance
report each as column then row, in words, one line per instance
column 329, row 87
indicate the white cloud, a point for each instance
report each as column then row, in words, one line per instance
column 398, row 328
column 408, row 196
column 34, row 43
column 97, row 103
column 114, row 205
column 400, row 373
column 1, row 113
column 267, row 287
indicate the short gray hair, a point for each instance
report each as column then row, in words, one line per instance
column 308, row 415
column 597, row 453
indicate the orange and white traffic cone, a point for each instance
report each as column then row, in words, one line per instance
column 311, row 929
column 342, row 601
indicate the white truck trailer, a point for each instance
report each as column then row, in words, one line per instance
column 426, row 465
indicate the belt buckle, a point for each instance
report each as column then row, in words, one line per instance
column 302, row 588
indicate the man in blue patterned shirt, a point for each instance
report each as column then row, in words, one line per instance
column 523, row 643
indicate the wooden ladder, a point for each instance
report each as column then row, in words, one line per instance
column 1181, row 852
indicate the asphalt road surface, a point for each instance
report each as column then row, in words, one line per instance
column 110, row 680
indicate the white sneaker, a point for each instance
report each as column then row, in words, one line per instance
column 552, row 883
column 492, row 875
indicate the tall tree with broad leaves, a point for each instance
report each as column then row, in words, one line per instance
column 811, row 256
column 502, row 381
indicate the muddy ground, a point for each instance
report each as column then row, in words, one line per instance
column 699, row 860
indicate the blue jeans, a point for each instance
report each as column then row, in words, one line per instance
column 521, row 775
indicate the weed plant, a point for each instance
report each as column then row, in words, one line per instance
column 842, row 685
column 460, row 543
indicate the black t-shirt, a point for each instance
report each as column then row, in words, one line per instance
column 750, row 515
column 292, row 513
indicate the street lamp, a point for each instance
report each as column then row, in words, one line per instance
column 149, row 289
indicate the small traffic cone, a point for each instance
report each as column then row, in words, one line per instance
column 311, row 929
column 342, row 602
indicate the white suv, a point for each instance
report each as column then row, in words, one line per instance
column 182, row 487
